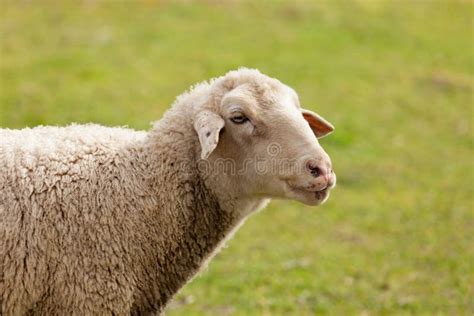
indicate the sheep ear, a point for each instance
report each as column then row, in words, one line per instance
column 319, row 125
column 208, row 125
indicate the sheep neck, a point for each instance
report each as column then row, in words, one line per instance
column 190, row 223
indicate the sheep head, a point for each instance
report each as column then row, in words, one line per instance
column 256, row 139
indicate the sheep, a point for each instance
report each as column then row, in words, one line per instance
column 99, row 220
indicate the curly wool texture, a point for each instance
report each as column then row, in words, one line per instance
column 97, row 220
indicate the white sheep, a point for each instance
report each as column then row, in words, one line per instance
column 97, row 220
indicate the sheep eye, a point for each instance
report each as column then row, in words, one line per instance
column 239, row 119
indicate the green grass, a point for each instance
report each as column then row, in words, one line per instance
column 395, row 78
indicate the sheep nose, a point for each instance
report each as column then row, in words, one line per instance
column 317, row 170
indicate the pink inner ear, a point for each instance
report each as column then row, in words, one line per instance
column 319, row 126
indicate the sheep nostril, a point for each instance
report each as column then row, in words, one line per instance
column 315, row 172
column 314, row 169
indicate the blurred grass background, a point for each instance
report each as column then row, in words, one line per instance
column 396, row 79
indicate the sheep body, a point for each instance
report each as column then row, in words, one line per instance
column 98, row 220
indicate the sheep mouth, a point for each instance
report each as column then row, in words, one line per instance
column 316, row 192
column 319, row 195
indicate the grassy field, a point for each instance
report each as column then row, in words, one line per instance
column 395, row 78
